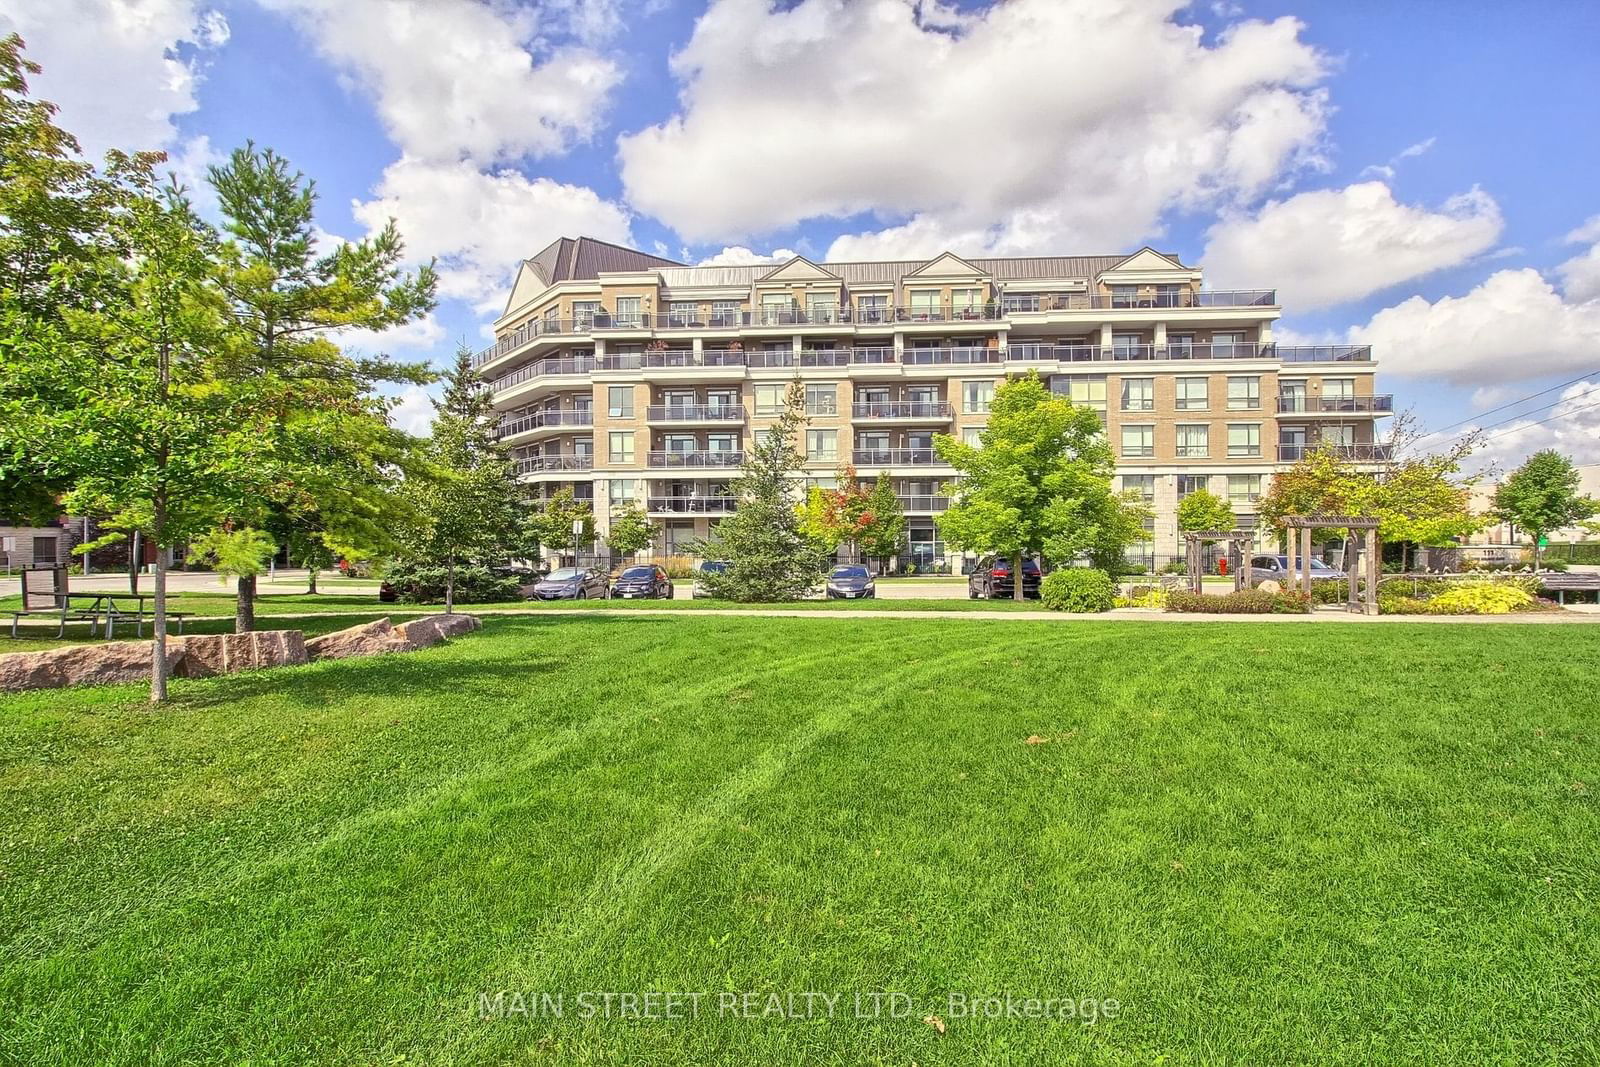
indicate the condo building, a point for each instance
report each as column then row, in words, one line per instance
column 631, row 377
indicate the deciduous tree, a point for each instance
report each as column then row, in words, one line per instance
column 1542, row 495
column 631, row 529
column 1204, row 510
column 1039, row 483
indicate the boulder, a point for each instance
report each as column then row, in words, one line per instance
column 97, row 664
column 230, row 653
column 367, row 639
column 431, row 630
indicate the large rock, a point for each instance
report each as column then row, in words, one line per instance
column 98, row 664
column 230, row 653
column 431, row 630
column 367, row 639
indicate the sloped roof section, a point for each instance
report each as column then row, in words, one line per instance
column 582, row 258
column 798, row 269
column 1148, row 258
column 948, row 263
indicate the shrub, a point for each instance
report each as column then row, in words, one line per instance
column 1558, row 565
column 1175, row 566
column 1247, row 602
column 475, row 584
column 1078, row 589
column 1481, row 598
column 1144, row 596
column 1329, row 591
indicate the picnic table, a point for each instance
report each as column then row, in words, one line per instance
column 57, row 601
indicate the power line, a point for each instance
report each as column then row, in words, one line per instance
column 1508, row 404
column 1512, row 418
column 1541, row 422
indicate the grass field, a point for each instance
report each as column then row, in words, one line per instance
column 1341, row 844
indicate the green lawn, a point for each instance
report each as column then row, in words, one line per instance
column 1295, row 844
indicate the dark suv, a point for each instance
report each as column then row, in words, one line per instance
column 643, row 580
column 991, row 579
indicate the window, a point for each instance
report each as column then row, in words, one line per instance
column 822, row 400
column 621, row 490
column 1244, row 488
column 872, row 307
column 822, row 307
column 619, row 401
column 1138, row 394
column 722, row 442
column 1229, row 345
column 621, row 445
column 1127, row 346
column 1084, row 390
column 822, row 445
column 583, row 446
column 1244, row 394
column 1244, row 439
column 925, row 304
column 1020, row 302
column 769, row 399
column 977, row 397
column 966, row 302
column 628, row 311
column 972, row 436
column 1168, row 296
column 583, row 313
column 1124, row 296
column 1143, row 484
column 684, row 313
column 1190, row 483
column 1194, row 442
column 1180, row 345
column 1138, row 441
column 775, row 308
column 44, row 550
column 724, row 313
column 1191, row 394
column 1342, row 436
column 1338, row 388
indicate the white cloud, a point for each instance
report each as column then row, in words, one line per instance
column 1571, row 427
column 1031, row 125
column 1335, row 245
column 413, row 411
column 1513, row 327
column 425, row 332
column 458, row 78
column 1411, row 151
column 481, row 225
column 118, row 69
column 1580, row 275
column 740, row 256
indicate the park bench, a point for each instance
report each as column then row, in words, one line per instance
column 1561, row 584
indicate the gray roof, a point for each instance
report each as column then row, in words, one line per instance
column 568, row 258
column 585, row 258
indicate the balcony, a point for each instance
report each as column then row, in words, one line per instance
column 895, row 457
column 688, row 413
column 692, row 505
column 927, row 410
column 1378, row 404
column 919, row 504
column 545, row 464
column 681, row 357
column 1205, row 298
column 542, row 368
column 1323, row 353
column 541, row 419
column 717, row 458
column 929, row 357
column 1368, row 453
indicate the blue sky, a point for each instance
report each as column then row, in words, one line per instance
column 1416, row 176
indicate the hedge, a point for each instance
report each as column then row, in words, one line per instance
column 1078, row 589
column 1246, row 602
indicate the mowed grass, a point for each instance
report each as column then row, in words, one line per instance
column 1295, row 844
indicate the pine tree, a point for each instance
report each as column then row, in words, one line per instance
column 769, row 556
column 340, row 465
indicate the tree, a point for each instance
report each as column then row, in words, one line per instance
column 127, row 400
column 340, row 466
column 631, row 529
column 770, row 557
column 1040, row 484
column 54, row 237
column 236, row 554
column 841, row 515
column 467, row 501
column 884, row 532
column 552, row 522
column 1204, row 510
column 1542, row 495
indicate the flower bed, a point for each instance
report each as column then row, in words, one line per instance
column 1245, row 602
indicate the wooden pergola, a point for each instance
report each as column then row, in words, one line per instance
column 1239, row 544
column 1363, row 543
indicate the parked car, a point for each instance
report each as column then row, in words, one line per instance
column 850, row 581
column 1276, row 568
column 715, row 566
column 644, row 581
column 991, row 579
column 571, row 583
